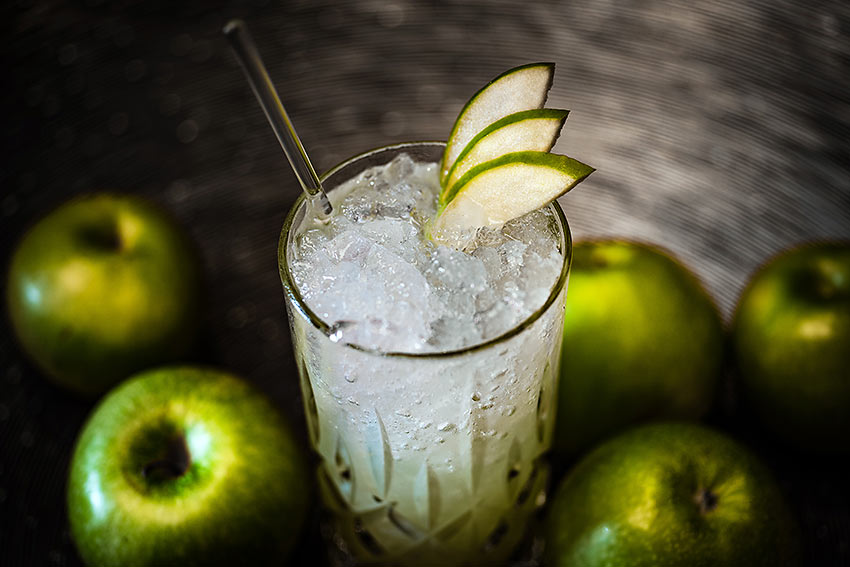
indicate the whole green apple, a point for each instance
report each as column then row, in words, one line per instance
column 642, row 340
column 791, row 335
column 670, row 494
column 186, row 466
column 102, row 287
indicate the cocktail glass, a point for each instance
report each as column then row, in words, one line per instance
column 435, row 457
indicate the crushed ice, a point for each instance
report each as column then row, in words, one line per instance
column 382, row 285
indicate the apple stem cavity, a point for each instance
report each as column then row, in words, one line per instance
column 103, row 237
column 829, row 286
column 173, row 464
column 598, row 260
column 706, row 500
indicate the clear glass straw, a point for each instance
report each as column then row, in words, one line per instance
column 248, row 56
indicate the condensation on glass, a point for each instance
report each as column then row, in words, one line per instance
column 436, row 457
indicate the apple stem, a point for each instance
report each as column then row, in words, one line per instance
column 173, row 464
column 706, row 499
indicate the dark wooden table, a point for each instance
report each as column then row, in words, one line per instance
column 720, row 130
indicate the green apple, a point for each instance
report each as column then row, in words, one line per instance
column 102, row 287
column 670, row 494
column 186, row 466
column 791, row 336
column 642, row 341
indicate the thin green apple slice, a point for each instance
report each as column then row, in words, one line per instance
column 494, row 192
column 520, row 88
column 528, row 130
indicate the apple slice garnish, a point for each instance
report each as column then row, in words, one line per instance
column 528, row 130
column 505, row 188
column 520, row 88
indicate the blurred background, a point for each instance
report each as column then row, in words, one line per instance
column 720, row 130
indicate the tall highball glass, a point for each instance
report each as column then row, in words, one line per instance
column 428, row 457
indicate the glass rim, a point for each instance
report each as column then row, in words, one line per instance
column 318, row 323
